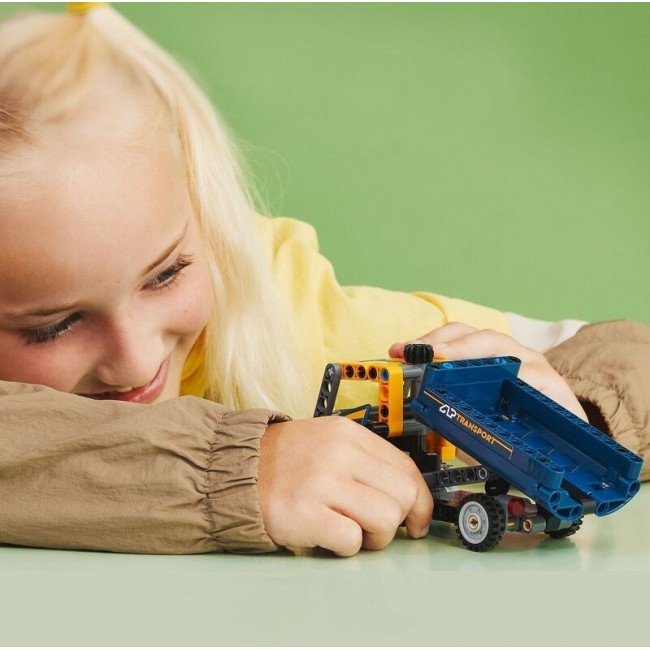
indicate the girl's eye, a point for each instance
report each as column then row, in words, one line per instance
column 167, row 277
column 50, row 332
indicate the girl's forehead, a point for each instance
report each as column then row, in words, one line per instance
column 88, row 205
column 71, row 179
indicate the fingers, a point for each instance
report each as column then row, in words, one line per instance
column 379, row 511
column 376, row 513
column 461, row 341
column 400, row 481
column 393, row 473
column 337, row 533
column 482, row 343
column 449, row 332
column 360, row 517
column 329, row 482
column 436, row 338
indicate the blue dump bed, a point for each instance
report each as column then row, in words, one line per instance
column 565, row 465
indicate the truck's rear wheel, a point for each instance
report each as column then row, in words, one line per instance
column 565, row 532
column 481, row 522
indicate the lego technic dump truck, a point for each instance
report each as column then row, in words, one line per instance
column 565, row 467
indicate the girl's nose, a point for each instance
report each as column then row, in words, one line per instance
column 132, row 355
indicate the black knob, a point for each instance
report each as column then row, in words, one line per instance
column 418, row 353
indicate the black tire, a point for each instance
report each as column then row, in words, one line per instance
column 480, row 523
column 565, row 532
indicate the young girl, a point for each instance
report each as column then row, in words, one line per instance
column 155, row 332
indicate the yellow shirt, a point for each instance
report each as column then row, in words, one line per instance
column 339, row 323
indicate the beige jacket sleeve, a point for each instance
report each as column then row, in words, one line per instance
column 175, row 477
column 607, row 366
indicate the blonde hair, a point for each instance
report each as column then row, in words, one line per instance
column 47, row 62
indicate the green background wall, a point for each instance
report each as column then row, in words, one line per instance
column 495, row 152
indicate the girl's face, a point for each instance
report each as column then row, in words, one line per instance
column 104, row 280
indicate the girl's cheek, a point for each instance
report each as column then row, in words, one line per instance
column 196, row 303
column 38, row 365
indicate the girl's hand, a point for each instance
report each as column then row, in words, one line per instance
column 460, row 341
column 330, row 482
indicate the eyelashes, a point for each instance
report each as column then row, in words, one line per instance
column 168, row 277
column 50, row 332
column 165, row 279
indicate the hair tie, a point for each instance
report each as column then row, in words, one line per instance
column 81, row 8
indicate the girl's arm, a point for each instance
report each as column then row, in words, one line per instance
column 175, row 477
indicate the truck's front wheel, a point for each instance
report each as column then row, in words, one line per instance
column 481, row 522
